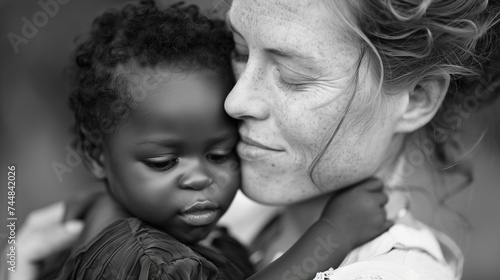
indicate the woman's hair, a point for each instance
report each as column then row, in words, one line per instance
column 411, row 41
column 178, row 38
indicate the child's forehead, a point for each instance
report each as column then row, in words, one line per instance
column 165, row 88
column 144, row 76
column 189, row 104
column 149, row 78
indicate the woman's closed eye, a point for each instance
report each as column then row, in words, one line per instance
column 284, row 84
column 161, row 164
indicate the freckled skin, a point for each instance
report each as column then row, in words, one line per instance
column 300, row 121
column 187, row 107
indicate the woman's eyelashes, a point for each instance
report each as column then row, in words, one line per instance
column 240, row 58
column 283, row 84
column 161, row 164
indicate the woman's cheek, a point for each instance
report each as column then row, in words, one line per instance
column 308, row 134
column 340, row 166
column 356, row 152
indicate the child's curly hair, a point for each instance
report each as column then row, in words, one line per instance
column 178, row 37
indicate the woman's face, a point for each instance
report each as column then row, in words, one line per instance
column 292, row 92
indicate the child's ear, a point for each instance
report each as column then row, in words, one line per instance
column 95, row 162
column 422, row 103
column 94, row 158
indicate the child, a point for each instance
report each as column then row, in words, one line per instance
column 149, row 89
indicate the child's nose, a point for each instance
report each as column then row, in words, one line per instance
column 196, row 177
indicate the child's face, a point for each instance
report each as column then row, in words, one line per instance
column 172, row 162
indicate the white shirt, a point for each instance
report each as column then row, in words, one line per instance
column 407, row 251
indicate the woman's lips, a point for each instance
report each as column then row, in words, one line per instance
column 201, row 213
column 252, row 150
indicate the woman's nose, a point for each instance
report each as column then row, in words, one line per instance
column 196, row 177
column 248, row 97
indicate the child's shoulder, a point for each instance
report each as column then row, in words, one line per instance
column 227, row 253
column 129, row 247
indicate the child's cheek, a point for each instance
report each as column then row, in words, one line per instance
column 226, row 182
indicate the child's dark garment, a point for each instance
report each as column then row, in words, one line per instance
column 131, row 249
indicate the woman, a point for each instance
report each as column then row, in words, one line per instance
column 329, row 92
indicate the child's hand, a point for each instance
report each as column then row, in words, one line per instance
column 358, row 212
column 352, row 217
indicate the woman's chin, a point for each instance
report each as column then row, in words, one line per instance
column 275, row 188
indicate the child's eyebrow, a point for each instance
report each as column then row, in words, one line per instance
column 221, row 137
column 225, row 136
column 160, row 142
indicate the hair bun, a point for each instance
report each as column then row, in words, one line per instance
column 487, row 85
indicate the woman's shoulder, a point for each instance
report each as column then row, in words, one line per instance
column 409, row 248
column 131, row 248
column 397, row 264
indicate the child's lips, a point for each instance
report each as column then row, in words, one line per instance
column 201, row 213
column 200, row 217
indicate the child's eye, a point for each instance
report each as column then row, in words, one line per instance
column 162, row 165
column 239, row 57
column 219, row 158
column 239, row 63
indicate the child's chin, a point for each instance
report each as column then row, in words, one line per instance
column 195, row 235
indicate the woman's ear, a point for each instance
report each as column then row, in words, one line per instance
column 423, row 102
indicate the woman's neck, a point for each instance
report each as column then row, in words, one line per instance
column 300, row 216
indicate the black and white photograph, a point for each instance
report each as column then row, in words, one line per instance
column 250, row 139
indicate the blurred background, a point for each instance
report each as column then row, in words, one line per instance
column 35, row 121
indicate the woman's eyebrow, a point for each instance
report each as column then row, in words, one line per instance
column 273, row 51
column 286, row 53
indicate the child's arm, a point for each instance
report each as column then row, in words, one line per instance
column 351, row 218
